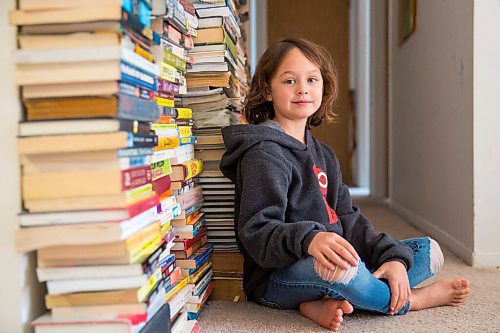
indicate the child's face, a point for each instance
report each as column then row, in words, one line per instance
column 297, row 88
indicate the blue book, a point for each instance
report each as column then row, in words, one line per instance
column 133, row 108
column 136, row 77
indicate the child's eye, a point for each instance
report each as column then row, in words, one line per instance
column 312, row 79
column 290, row 81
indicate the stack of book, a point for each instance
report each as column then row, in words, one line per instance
column 216, row 87
column 177, row 180
column 96, row 174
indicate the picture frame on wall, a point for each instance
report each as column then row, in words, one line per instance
column 407, row 19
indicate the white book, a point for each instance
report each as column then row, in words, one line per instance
column 207, row 48
column 84, row 54
column 182, row 150
column 138, row 222
column 87, row 272
column 208, row 58
column 55, row 287
column 183, row 158
column 180, row 299
column 162, row 155
column 71, row 217
column 208, row 67
column 210, row 22
column 180, row 323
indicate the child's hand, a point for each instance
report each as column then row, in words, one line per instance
column 328, row 248
column 395, row 273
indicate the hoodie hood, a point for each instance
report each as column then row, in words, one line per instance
column 239, row 138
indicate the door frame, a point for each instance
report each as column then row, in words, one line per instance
column 368, row 78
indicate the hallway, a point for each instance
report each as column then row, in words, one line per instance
column 479, row 314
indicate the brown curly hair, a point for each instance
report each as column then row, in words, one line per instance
column 258, row 109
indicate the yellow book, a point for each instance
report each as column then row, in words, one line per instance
column 169, row 72
column 164, row 102
column 167, row 143
column 177, row 287
column 141, row 254
column 185, row 131
column 184, row 113
column 144, row 235
column 186, row 170
column 143, row 53
column 144, row 291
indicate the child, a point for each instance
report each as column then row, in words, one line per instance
column 305, row 246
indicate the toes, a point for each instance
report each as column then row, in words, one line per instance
column 461, row 284
column 335, row 327
column 346, row 307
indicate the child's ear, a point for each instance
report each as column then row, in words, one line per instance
column 267, row 94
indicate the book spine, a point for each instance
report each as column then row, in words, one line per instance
column 165, row 262
column 167, row 143
column 161, row 185
column 172, row 212
column 135, row 24
column 128, row 89
column 170, row 58
column 192, row 168
column 167, row 86
column 171, row 113
column 164, row 102
column 160, row 169
column 132, row 178
column 184, row 113
column 141, row 206
column 187, row 141
column 172, row 290
column 230, row 45
column 171, row 277
column 139, row 62
column 141, row 140
column 141, row 151
column 137, row 109
column 136, row 77
column 191, row 197
column 170, row 73
column 189, row 211
column 185, row 131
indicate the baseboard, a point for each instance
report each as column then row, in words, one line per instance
column 486, row 259
column 443, row 238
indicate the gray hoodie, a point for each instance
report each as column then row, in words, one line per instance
column 287, row 192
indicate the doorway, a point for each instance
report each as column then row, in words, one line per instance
column 346, row 34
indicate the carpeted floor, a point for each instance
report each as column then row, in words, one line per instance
column 479, row 314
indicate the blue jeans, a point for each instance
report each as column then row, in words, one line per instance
column 297, row 283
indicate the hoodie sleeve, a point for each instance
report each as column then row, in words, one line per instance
column 262, row 229
column 374, row 249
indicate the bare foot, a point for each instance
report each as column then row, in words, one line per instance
column 327, row 312
column 451, row 292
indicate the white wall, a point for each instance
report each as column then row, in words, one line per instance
column 486, row 133
column 430, row 122
column 21, row 294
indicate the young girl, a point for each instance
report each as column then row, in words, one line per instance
column 305, row 246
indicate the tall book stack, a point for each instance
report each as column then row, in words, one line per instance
column 217, row 85
column 176, row 24
column 91, row 166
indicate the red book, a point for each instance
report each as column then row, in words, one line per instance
column 162, row 184
column 132, row 178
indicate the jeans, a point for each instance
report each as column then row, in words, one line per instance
column 297, row 283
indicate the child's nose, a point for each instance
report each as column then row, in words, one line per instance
column 302, row 89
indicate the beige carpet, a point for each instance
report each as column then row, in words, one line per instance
column 479, row 314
